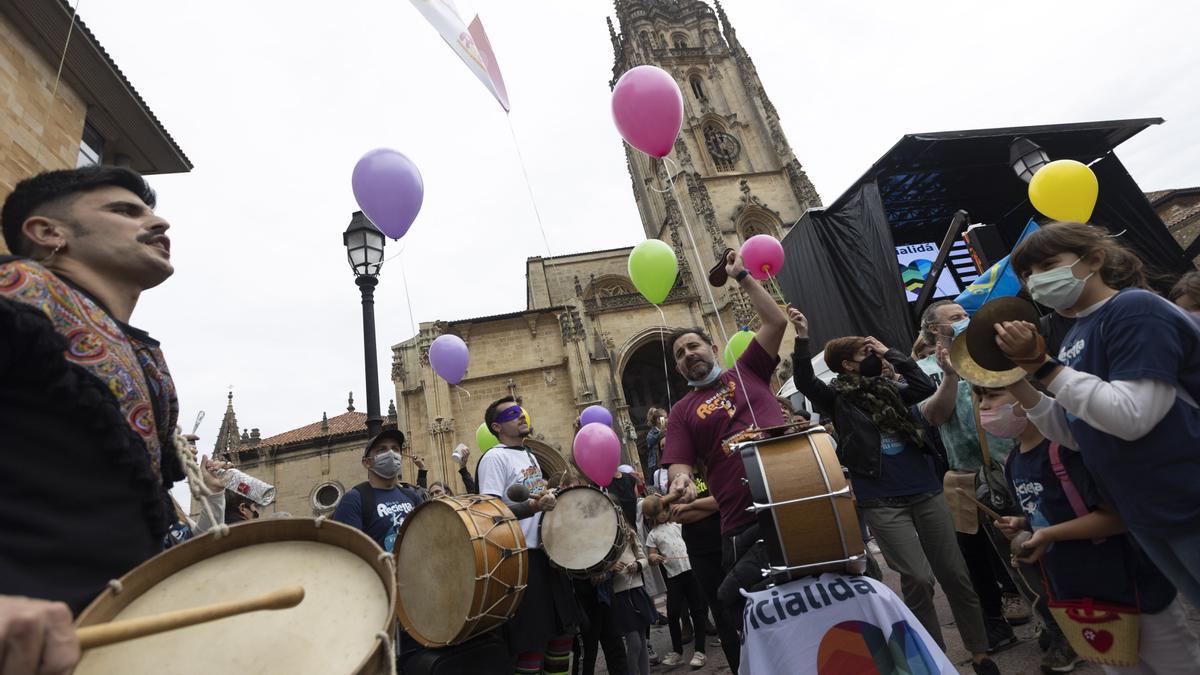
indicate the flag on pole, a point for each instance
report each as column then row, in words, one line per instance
column 470, row 43
column 997, row 282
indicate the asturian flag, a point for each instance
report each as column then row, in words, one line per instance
column 470, row 43
column 997, row 282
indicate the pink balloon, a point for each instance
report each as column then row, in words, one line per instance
column 763, row 255
column 648, row 109
column 597, row 451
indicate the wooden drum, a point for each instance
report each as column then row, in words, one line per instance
column 462, row 568
column 805, row 510
column 349, row 594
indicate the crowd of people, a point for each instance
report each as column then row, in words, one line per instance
column 1092, row 460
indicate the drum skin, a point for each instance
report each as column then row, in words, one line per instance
column 462, row 567
column 583, row 535
column 795, row 466
column 349, row 588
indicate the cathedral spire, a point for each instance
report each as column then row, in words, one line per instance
column 228, row 437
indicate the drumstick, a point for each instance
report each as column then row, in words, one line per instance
column 120, row 631
column 993, row 514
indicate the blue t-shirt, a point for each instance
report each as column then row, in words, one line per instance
column 1154, row 481
column 1114, row 570
column 391, row 508
column 905, row 471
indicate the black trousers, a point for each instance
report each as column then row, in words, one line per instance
column 682, row 589
column 597, row 632
column 706, row 566
column 977, row 552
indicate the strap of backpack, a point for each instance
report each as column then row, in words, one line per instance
column 367, row 494
column 1068, row 486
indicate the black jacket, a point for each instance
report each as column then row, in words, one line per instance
column 858, row 437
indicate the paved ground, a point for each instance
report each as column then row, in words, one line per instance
column 1024, row 658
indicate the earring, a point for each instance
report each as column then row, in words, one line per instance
column 51, row 256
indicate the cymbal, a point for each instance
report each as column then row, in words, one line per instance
column 974, row 373
column 981, row 332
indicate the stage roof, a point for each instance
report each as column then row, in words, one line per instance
column 924, row 178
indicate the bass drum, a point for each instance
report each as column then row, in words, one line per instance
column 339, row 627
column 585, row 533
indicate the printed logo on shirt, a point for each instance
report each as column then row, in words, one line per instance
column 397, row 511
column 890, row 444
column 860, row 647
column 1029, row 493
column 814, row 596
column 721, row 400
column 532, row 479
column 1069, row 354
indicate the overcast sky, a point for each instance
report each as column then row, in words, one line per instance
column 275, row 101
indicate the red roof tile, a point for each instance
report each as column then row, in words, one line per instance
column 348, row 422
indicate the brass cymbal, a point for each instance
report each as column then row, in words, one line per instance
column 974, row 373
column 981, row 332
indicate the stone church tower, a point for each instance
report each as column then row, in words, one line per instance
column 734, row 172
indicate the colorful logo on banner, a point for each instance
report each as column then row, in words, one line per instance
column 916, row 261
column 470, row 43
column 860, row 647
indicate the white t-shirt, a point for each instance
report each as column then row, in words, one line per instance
column 668, row 539
column 835, row 624
column 503, row 466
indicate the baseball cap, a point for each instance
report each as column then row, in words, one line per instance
column 394, row 434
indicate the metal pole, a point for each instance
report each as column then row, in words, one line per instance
column 367, row 284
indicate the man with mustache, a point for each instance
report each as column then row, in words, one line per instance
column 721, row 405
column 87, row 405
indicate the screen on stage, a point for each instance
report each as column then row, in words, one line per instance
column 915, row 261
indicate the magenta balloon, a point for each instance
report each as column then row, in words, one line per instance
column 648, row 109
column 763, row 256
column 597, row 452
column 389, row 189
column 595, row 414
column 448, row 356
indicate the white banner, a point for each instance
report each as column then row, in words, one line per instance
column 471, row 44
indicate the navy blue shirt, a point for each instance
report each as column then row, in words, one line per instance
column 391, row 508
column 1113, row 571
column 904, row 471
column 1154, row 481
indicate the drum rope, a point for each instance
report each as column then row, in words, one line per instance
column 388, row 651
column 116, row 586
column 186, row 453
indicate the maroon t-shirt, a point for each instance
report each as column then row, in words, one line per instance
column 705, row 417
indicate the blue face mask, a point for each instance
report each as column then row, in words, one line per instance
column 959, row 326
column 708, row 379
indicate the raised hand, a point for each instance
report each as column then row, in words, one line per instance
column 799, row 322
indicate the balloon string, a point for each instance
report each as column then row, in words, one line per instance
column 407, row 300
column 61, row 62
column 462, row 390
column 528, row 186
column 708, row 290
column 662, row 337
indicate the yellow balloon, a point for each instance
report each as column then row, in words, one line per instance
column 1065, row 190
column 528, row 419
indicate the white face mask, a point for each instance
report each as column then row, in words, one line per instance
column 707, row 379
column 1058, row 288
column 387, row 464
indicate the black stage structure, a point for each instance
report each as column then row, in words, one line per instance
column 842, row 269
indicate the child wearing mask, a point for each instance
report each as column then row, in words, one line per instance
column 1079, row 539
column 1125, row 381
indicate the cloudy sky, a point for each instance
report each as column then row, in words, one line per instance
column 275, row 101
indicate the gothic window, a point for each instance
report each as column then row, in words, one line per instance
column 680, row 41
column 722, row 147
column 697, row 87
column 755, row 227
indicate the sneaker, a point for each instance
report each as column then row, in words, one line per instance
column 873, row 547
column 986, row 667
column 1016, row 611
column 999, row 634
column 653, row 655
column 698, row 660
column 1060, row 659
column 672, row 659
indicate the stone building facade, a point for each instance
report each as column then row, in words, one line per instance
column 91, row 115
column 1180, row 212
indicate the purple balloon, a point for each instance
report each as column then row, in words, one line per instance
column 389, row 189
column 448, row 356
column 595, row 414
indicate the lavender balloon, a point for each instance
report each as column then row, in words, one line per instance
column 448, row 356
column 595, row 414
column 389, row 189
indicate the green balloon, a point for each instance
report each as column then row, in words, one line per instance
column 653, row 267
column 737, row 345
column 485, row 439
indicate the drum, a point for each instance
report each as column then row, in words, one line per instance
column 462, row 568
column 585, row 533
column 349, row 589
column 805, row 510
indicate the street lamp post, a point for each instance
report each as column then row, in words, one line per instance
column 364, row 249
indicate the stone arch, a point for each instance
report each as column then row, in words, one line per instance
column 640, row 373
column 608, row 285
column 696, row 83
column 679, row 40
